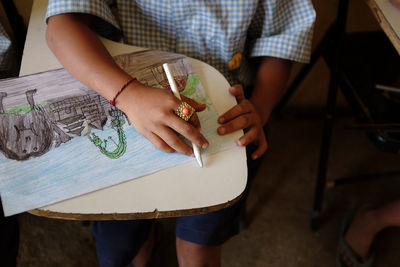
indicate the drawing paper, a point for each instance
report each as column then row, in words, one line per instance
column 60, row 139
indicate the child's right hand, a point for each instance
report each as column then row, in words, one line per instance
column 151, row 112
column 149, row 109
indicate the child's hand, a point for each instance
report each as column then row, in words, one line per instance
column 244, row 116
column 151, row 112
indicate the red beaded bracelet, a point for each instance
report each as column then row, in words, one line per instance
column 112, row 102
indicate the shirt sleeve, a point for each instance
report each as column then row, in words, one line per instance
column 283, row 29
column 106, row 23
column 8, row 66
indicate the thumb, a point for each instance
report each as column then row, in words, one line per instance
column 237, row 92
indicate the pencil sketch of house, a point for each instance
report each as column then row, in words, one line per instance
column 32, row 131
column 74, row 112
column 147, row 67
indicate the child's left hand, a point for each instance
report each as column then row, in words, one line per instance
column 244, row 116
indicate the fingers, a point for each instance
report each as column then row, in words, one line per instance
column 196, row 105
column 159, row 143
column 256, row 137
column 189, row 131
column 254, row 133
column 159, row 121
column 237, row 92
column 169, row 140
column 194, row 120
column 166, row 140
column 241, row 122
column 242, row 108
column 173, row 141
column 263, row 146
column 244, row 116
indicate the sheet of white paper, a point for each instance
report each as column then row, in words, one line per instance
column 59, row 139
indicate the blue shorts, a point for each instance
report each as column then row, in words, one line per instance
column 117, row 242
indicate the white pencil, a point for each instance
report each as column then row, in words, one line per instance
column 175, row 90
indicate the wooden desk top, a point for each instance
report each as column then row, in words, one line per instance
column 163, row 194
column 388, row 17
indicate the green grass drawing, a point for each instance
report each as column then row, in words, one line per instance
column 24, row 109
column 191, row 85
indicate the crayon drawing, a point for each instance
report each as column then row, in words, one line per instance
column 60, row 139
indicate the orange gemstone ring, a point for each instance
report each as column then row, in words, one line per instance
column 185, row 111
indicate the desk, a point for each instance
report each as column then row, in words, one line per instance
column 163, row 194
column 388, row 17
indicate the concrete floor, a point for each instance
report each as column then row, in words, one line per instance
column 280, row 203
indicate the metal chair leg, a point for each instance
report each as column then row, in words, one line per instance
column 324, row 152
column 336, row 76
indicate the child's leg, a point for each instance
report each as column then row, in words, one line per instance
column 144, row 256
column 367, row 224
column 117, row 242
column 199, row 238
column 193, row 255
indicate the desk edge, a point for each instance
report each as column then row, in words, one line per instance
column 133, row 216
column 385, row 25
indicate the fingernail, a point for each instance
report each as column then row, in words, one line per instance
column 239, row 143
column 255, row 157
column 204, row 146
column 221, row 120
column 221, row 130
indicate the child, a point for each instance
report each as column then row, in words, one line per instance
column 232, row 36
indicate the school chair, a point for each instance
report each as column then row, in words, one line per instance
column 357, row 63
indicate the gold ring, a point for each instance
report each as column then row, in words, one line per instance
column 185, row 111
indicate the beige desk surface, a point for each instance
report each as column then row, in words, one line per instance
column 182, row 190
column 388, row 17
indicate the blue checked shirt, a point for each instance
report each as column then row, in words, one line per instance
column 8, row 63
column 218, row 32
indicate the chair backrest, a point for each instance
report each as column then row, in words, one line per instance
column 369, row 59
